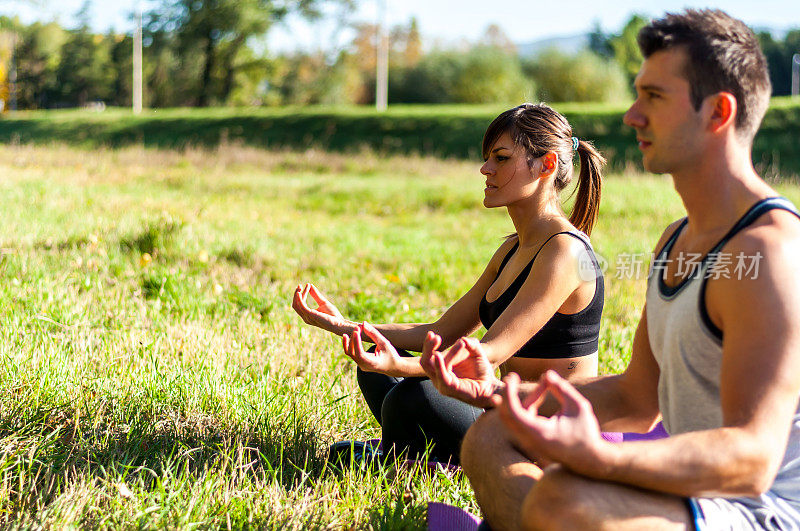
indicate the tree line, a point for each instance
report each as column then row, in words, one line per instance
column 213, row 52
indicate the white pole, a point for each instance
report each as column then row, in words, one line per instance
column 12, row 74
column 796, row 74
column 382, row 74
column 137, row 61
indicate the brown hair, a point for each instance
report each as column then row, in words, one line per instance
column 723, row 56
column 539, row 129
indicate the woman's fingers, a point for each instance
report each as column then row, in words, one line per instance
column 374, row 335
column 317, row 295
column 347, row 346
column 431, row 344
column 454, row 353
column 428, row 347
column 445, row 375
column 297, row 301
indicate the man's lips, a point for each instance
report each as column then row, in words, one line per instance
column 643, row 144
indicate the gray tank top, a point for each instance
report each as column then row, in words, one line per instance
column 688, row 350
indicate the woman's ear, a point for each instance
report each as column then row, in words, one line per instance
column 549, row 164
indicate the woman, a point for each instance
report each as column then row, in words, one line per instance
column 540, row 308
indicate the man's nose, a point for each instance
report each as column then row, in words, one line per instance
column 633, row 117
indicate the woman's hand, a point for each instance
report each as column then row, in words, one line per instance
column 463, row 372
column 385, row 359
column 325, row 316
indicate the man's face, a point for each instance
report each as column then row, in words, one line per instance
column 667, row 127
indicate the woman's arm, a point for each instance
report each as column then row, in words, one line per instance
column 461, row 319
column 554, row 276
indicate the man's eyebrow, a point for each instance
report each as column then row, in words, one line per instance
column 652, row 88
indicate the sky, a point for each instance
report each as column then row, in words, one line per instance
column 441, row 21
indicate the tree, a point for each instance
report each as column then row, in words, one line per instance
column 626, row 48
column 599, row 41
column 582, row 77
column 779, row 57
column 219, row 30
column 495, row 37
column 413, row 49
column 482, row 74
column 84, row 71
column 38, row 54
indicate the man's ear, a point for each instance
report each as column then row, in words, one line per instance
column 549, row 164
column 723, row 112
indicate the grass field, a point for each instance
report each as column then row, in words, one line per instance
column 430, row 130
column 153, row 374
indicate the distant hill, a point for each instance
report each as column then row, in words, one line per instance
column 568, row 44
column 571, row 44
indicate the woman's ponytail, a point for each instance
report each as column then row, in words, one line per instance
column 587, row 202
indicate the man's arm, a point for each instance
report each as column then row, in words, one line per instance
column 759, row 388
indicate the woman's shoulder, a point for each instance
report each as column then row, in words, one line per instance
column 506, row 247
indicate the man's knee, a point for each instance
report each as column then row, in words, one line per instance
column 559, row 500
column 481, row 437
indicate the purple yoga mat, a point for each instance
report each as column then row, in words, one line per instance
column 656, row 433
column 443, row 517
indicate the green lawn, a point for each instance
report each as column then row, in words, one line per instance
column 432, row 130
column 153, row 374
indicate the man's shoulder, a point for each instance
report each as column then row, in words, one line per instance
column 761, row 270
column 776, row 231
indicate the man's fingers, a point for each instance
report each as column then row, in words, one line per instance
column 571, row 400
column 535, row 396
column 511, row 397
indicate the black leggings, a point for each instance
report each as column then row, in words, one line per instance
column 414, row 416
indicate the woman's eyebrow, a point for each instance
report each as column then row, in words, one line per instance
column 495, row 150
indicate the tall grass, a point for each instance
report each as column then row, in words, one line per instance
column 153, row 374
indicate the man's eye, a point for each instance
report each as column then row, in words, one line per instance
column 501, row 158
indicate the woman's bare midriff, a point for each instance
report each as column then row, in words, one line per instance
column 530, row 369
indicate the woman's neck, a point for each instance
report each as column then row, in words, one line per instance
column 535, row 219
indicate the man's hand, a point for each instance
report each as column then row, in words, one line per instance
column 385, row 359
column 463, row 372
column 570, row 437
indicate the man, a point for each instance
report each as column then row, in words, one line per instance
column 717, row 350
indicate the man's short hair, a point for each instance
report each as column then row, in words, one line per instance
column 723, row 56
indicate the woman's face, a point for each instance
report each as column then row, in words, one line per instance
column 508, row 177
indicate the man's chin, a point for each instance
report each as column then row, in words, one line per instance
column 652, row 166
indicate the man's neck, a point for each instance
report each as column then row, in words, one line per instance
column 719, row 190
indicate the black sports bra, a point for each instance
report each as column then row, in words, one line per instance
column 564, row 335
